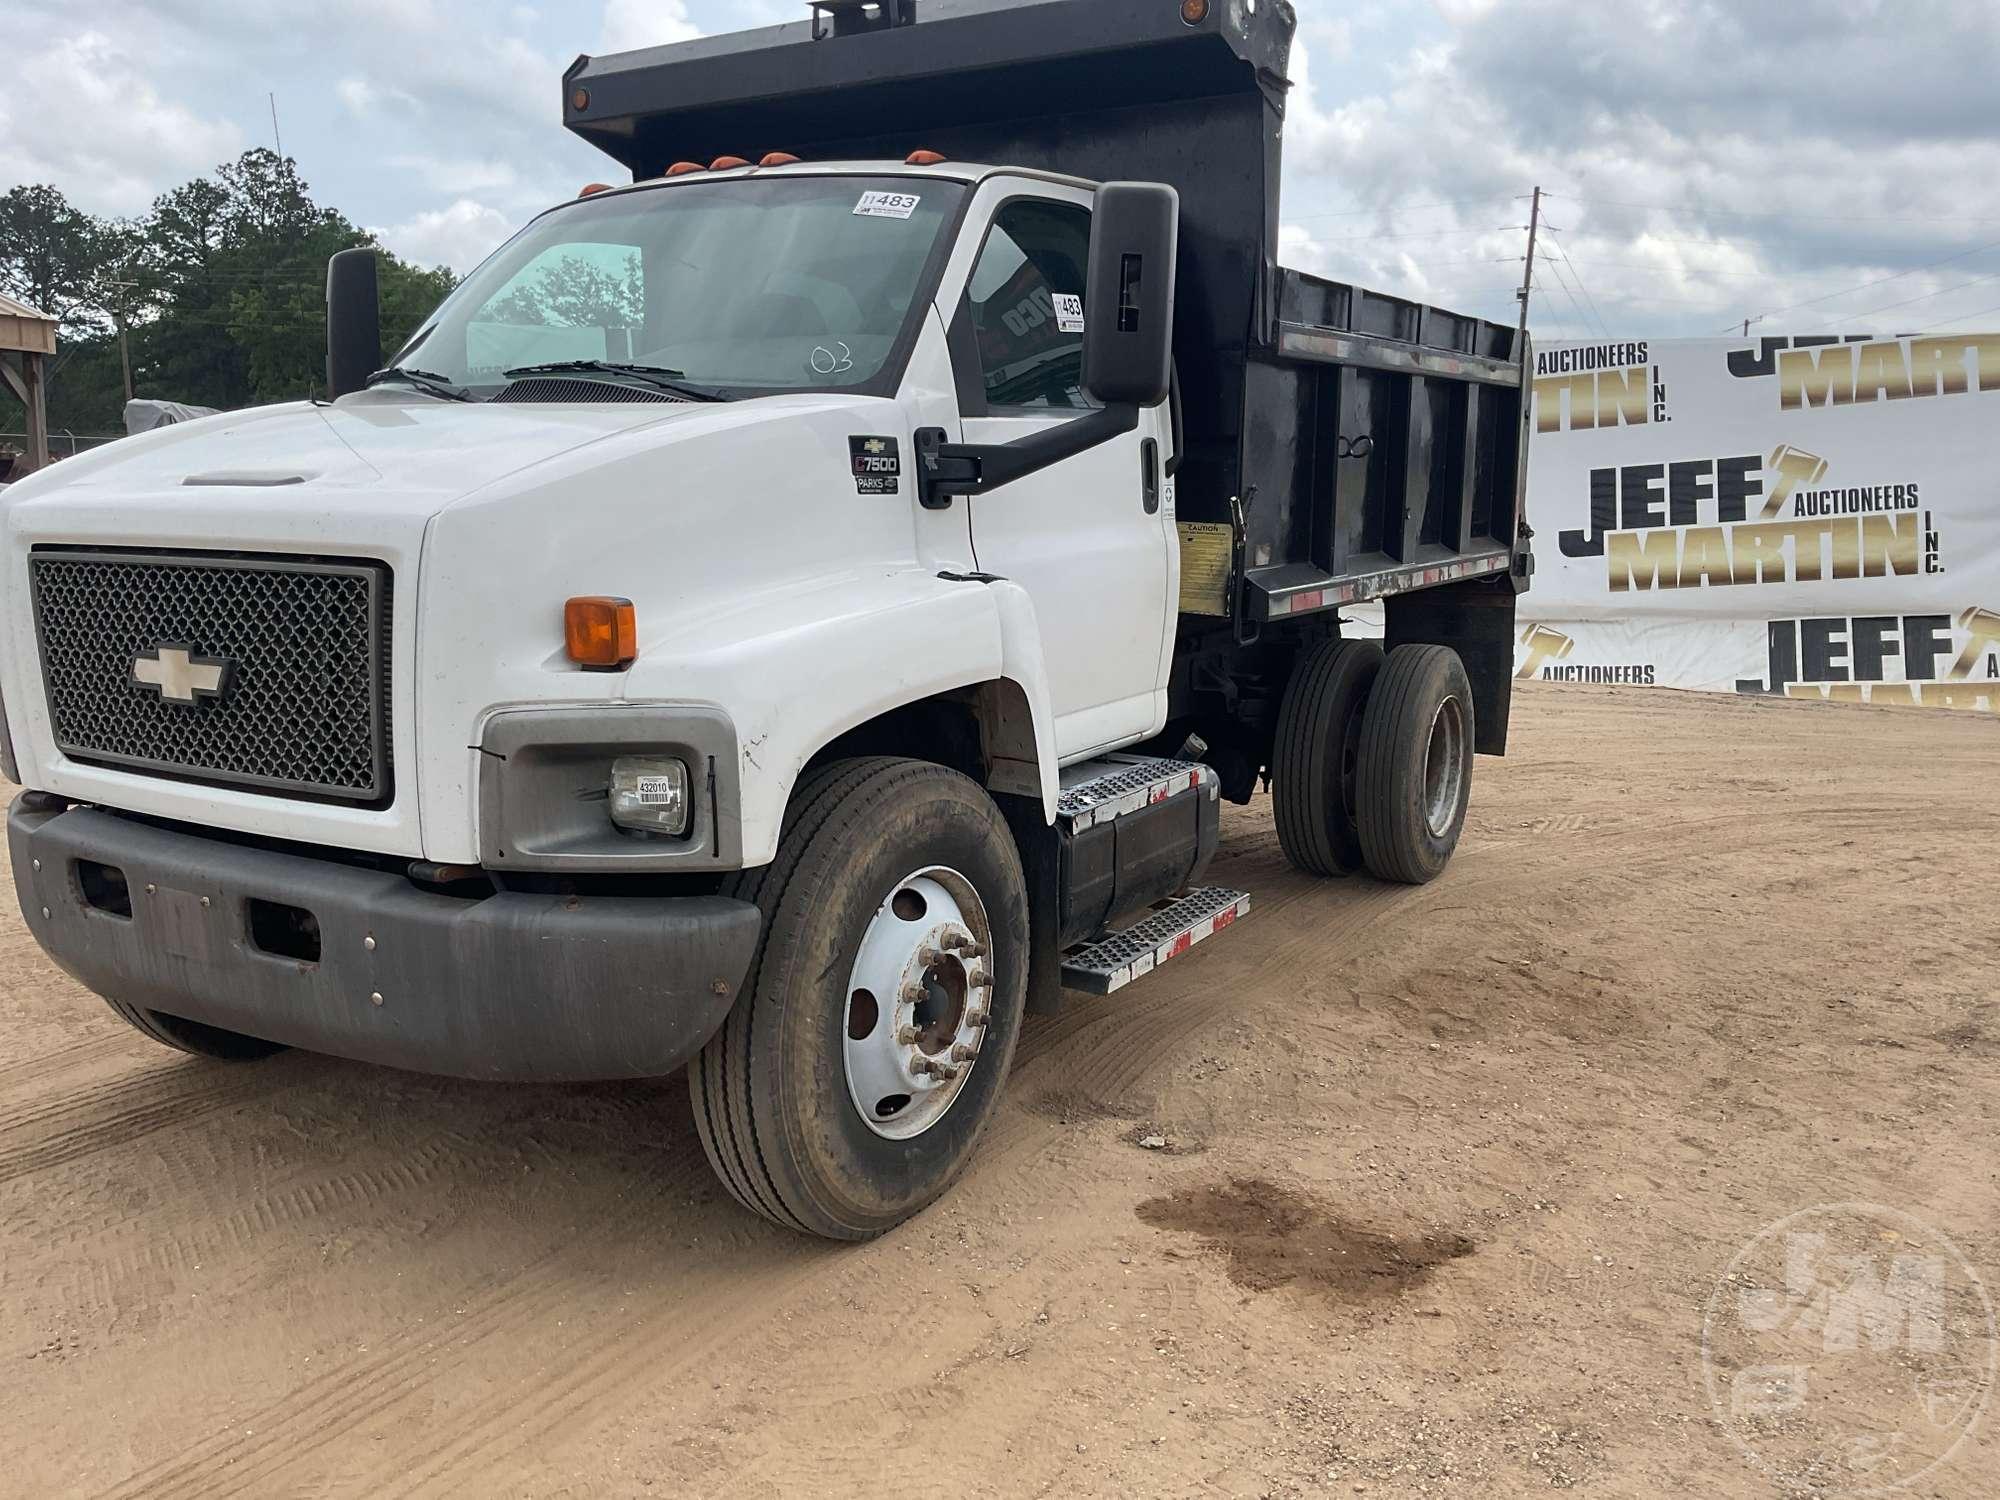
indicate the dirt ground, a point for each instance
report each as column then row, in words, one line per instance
column 1388, row 1192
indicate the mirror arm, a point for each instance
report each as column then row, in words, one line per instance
column 947, row 469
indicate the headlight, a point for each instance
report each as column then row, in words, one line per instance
column 650, row 796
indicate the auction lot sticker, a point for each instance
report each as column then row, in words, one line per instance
column 1850, row 1350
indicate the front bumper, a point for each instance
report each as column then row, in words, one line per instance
column 524, row 987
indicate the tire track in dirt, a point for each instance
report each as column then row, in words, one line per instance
column 163, row 1110
column 97, row 1287
column 56, row 1105
column 327, row 1409
column 68, row 1059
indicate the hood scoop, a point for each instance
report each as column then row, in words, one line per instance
column 246, row 479
column 568, row 389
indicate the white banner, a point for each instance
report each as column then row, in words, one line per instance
column 1798, row 517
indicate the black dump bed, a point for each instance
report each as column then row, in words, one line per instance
column 1339, row 445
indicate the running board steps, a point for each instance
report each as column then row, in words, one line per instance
column 1118, row 785
column 1106, row 966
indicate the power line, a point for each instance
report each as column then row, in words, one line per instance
column 1737, row 213
column 1984, row 312
column 1879, row 281
column 1405, row 208
column 1433, row 234
column 1927, row 296
column 1578, row 274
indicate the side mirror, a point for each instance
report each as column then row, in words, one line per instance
column 1128, row 338
column 353, row 322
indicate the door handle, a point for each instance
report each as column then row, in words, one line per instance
column 1149, row 475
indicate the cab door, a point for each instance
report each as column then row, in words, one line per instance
column 1086, row 538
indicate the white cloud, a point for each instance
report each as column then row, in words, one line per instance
column 632, row 24
column 460, row 236
column 80, row 112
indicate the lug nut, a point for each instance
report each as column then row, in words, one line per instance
column 970, row 949
column 964, row 1052
column 980, row 982
column 977, row 1019
column 906, row 1036
column 945, row 1071
column 913, row 992
column 930, row 958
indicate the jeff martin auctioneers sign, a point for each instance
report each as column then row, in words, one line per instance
column 1801, row 517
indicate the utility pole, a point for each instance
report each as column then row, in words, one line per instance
column 124, row 342
column 1528, row 281
column 274, row 127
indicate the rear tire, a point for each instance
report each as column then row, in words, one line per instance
column 1313, row 765
column 1415, row 774
column 778, row 1091
column 193, row 1038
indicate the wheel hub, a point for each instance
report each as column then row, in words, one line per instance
column 919, row 1000
column 1444, row 768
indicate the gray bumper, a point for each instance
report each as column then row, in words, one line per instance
column 515, row 986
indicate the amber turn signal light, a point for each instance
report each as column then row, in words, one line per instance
column 1194, row 12
column 602, row 633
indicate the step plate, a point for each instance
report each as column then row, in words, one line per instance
column 1128, row 783
column 1109, row 964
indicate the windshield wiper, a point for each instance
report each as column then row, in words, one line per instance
column 423, row 380
column 674, row 382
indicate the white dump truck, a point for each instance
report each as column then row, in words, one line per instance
column 786, row 616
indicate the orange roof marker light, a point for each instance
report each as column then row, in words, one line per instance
column 779, row 159
column 682, row 168
column 727, row 164
column 924, row 159
column 592, row 189
column 601, row 633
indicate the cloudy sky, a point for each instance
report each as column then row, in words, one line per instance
column 1828, row 165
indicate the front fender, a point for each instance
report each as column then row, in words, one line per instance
column 795, row 671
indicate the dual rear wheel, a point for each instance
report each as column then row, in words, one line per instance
column 1373, row 762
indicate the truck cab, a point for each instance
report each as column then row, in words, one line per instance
column 788, row 616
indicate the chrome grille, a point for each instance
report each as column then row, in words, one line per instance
column 305, row 710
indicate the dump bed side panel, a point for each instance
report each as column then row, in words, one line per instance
column 1381, row 453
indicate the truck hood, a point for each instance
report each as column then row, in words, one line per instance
column 428, row 451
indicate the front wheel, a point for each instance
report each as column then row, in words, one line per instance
column 194, row 1038
column 868, row 1050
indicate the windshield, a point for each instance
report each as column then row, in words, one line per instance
column 746, row 285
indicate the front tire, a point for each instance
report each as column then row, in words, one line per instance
column 193, row 1038
column 1415, row 775
column 825, row 1104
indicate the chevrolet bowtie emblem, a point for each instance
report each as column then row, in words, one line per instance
column 876, row 446
column 179, row 676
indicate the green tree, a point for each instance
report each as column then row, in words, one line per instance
column 222, row 283
column 55, row 257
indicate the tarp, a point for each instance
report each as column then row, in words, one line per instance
column 144, row 416
column 1810, row 518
